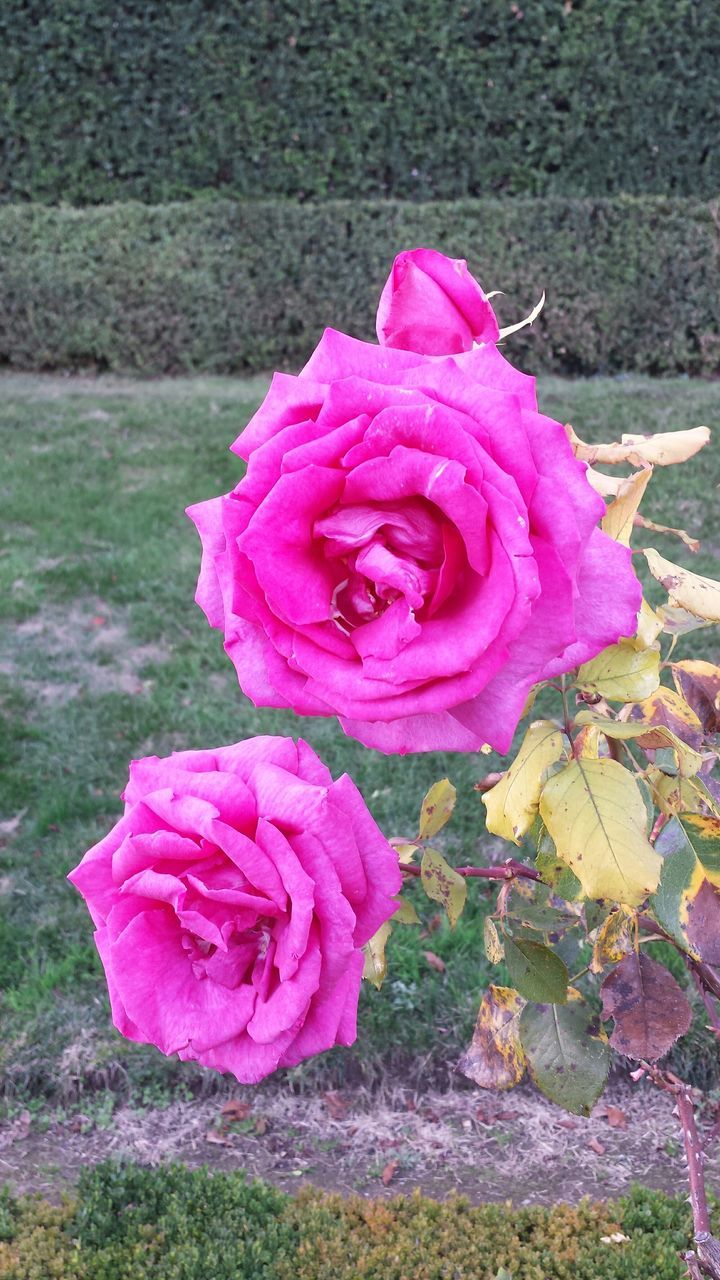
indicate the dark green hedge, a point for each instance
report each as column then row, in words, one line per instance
column 170, row 1223
column 423, row 99
column 217, row 286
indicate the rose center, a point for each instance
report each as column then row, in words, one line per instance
column 407, row 552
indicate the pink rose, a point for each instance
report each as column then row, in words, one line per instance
column 412, row 547
column 231, row 902
column 432, row 304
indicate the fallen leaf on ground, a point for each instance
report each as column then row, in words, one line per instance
column 596, row 1145
column 434, row 961
column 261, row 1126
column 615, row 1116
column 235, row 1110
column 389, row 1172
column 218, row 1138
column 10, row 825
column 336, row 1104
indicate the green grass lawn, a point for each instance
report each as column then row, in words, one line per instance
column 105, row 657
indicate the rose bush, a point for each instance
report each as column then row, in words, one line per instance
column 413, row 546
column 231, row 902
column 432, row 304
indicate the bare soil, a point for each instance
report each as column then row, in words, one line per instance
column 488, row 1147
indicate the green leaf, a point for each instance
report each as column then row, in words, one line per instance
column 595, row 813
column 567, row 1053
column 436, row 808
column 375, row 967
column 556, row 873
column 495, row 1059
column 536, row 972
column 534, row 906
column 512, row 804
column 679, row 869
column 622, row 673
column 443, row 884
column 687, row 902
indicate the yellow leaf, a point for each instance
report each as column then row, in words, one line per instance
column 699, row 596
column 649, row 627
column 436, row 808
column 643, row 523
column 661, row 450
column 405, row 851
column 648, row 735
column 375, row 967
column 606, row 486
column 618, row 519
column 595, row 813
column 493, row 945
column 622, row 672
column 406, row 913
column 669, row 722
column 512, row 804
column 614, row 939
column 673, row 795
column 443, row 884
column 495, row 1058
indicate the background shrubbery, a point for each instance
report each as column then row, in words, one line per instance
column 418, row 99
column 222, row 286
column 130, row 1223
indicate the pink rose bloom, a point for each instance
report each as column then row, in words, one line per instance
column 432, row 304
column 231, row 902
column 412, row 547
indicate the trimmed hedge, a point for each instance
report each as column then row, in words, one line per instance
column 221, row 287
column 173, row 1224
column 120, row 99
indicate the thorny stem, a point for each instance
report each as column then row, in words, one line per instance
column 707, row 1259
column 510, row 870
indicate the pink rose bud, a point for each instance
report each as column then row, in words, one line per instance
column 231, row 903
column 431, row 304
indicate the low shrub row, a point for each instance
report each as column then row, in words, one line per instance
column 129, row 1223
column 219, row 286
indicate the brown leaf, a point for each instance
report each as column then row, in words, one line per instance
column 434, row 961
column 261, row 1126
column 596, row 1145
column 699, row 684
column 650, row 1010
column 336, row 1104
column 567, row 1124
column 235, row 1110
column 434, row 922
column 389, row 1172
column 506, row 1115
column 495, row 1059
column 616, row 1117
column 703, row 922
